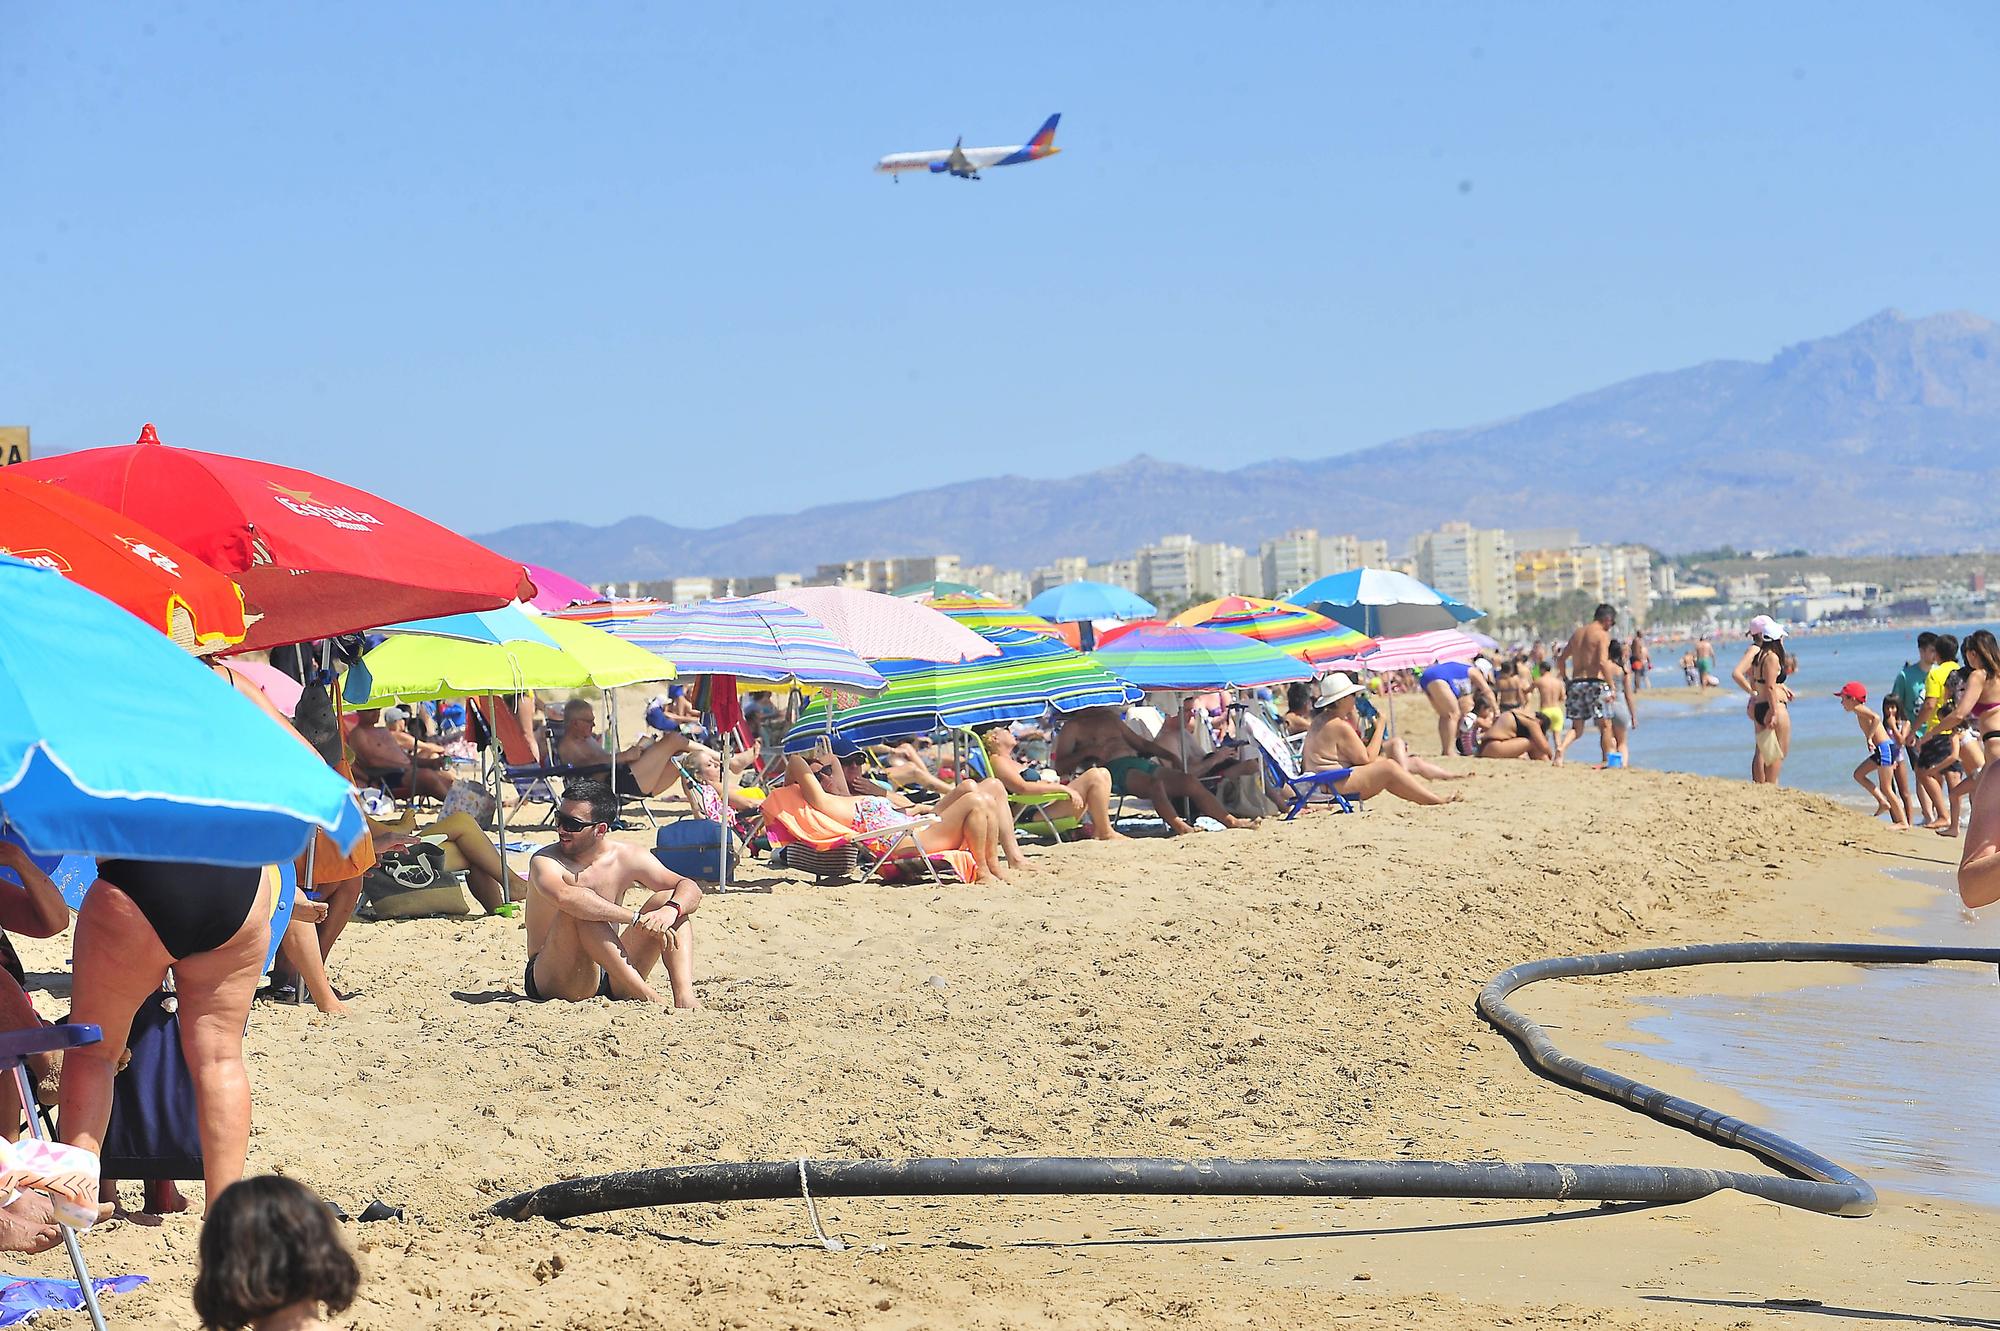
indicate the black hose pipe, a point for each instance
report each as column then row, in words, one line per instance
column 1815, row 1183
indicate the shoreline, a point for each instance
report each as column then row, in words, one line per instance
column 1301, row 990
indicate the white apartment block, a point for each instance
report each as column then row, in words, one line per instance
column 1070, row 568
column 1117, row 573
column 1473, row 564
column 1301, row 556
column 1620, row 575
column 1180, row 569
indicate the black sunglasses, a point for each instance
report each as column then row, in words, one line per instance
column 565, row 823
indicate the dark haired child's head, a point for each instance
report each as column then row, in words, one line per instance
column 268, row 1243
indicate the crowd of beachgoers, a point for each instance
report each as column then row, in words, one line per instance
column 522, row 802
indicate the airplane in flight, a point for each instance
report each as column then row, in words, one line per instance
column 966, row 163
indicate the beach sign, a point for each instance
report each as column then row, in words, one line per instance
column 14, row 445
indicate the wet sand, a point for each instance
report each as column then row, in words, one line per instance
column 1302, row 989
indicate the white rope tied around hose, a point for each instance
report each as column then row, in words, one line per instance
column 827, row 1241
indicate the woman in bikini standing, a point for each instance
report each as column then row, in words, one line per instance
column 1770, row 704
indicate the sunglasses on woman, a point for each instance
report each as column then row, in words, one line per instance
column 565, row 823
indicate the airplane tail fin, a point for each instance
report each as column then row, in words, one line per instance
column 1045, row 137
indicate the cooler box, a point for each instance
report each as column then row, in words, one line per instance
column 692, row 848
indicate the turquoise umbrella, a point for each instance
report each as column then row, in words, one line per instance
column 116, row 743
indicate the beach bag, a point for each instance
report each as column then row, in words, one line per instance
column 410, row 883
column 470, row 798
column 154, row 1132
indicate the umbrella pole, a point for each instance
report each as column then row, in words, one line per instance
column 722, row 884
column 611, row 728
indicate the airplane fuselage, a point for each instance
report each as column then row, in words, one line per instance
column 967, row 163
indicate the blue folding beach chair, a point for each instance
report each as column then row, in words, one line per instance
column 1281, row 766
column 15, row 1047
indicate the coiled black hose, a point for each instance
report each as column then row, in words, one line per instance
column 1812, row 1182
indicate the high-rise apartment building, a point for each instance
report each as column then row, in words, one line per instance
column 1473, row 564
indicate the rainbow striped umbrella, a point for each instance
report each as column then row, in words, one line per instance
column 1030, row 674
column 609, row 615
column 983, row 612
column 751, row 638
column 1176, row 658
column 1292, row 629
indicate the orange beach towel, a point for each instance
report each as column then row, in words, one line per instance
column 788, row 818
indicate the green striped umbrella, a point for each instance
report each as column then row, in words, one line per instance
column 1031, row 673
column 983, row 612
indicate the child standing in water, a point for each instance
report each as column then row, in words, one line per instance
column 1896, row 720
column 1885, row 755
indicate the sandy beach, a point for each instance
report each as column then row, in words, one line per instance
column 1301, row 990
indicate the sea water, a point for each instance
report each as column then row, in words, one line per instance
column 1713, row 737
column 1891, row 1073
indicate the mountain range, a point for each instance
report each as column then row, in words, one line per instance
column 1881, row 439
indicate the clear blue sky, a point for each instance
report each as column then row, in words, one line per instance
column 516, row 262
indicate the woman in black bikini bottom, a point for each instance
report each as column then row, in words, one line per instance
column 211, row 926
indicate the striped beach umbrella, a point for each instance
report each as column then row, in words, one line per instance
column 750, row 638
column 876, row 627
column 1292, row 629
column 983, row 613
column 1418, row 651
column 610, row 615
column 1031, row 673
column 1176, row 658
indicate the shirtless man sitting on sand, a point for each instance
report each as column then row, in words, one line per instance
column 583, row 942
column 1088, row 796
column 1099, row 737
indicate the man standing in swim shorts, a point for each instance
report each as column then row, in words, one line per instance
column 1585, row 661
column 583, row 941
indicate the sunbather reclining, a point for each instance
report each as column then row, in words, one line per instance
column 1087, row 796
column 1335, row 742
column 378, row 749
column 851, row 778
column 644, row 769
column 904, row 765
column 583, row 942
column 1099, row 737
column 967, row 822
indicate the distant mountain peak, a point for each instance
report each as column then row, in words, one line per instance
column 1883, row 437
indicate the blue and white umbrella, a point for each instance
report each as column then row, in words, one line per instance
column 1383, row 603
column 114, row 742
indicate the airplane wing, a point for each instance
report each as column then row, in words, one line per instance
column 958, row 162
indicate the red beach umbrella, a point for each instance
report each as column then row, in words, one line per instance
column 314, row 557
column 120, row 559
